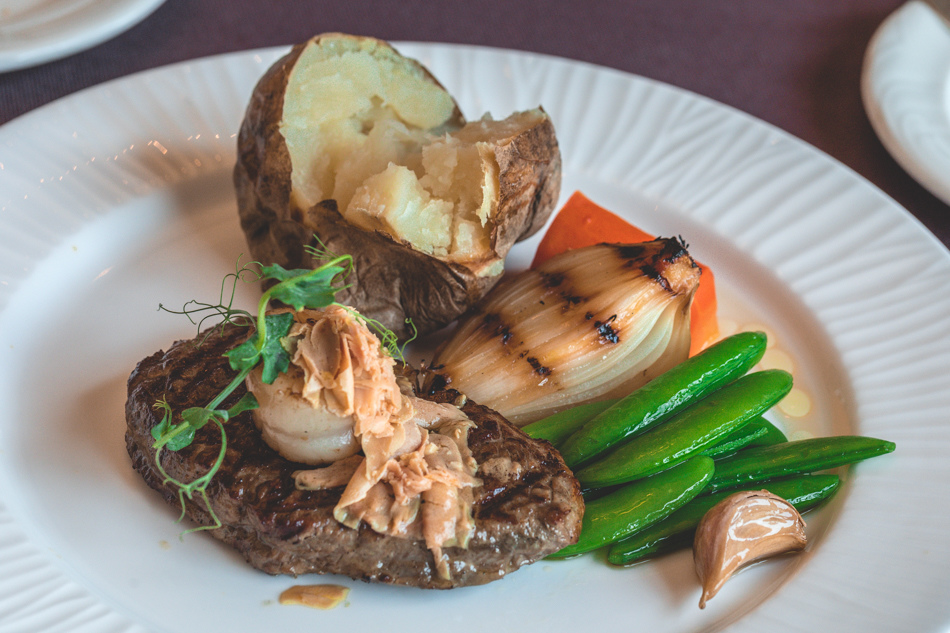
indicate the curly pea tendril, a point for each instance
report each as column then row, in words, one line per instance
column 299, row 288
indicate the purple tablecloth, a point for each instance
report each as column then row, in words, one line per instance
column 795, row 65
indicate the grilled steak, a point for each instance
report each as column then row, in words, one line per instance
column 528, row 506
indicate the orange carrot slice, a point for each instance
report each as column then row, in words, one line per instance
column 582, row 222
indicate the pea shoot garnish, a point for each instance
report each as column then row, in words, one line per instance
column 269, row 346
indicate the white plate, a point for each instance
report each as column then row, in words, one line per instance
column 119, row 197
column 33, row 32
column 905, row 92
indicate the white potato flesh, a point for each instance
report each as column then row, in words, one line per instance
column 394, row 200
column 336, row 90
column 369, row 130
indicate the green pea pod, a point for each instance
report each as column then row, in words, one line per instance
column 773, row 434
column 758, row 432
column 792, row 458
column 691, row 432
column 558, row 427
column 740, row 438
column 676, row 531
column 640, row 504
column 665, row 395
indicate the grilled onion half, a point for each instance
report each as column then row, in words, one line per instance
column 589, row 324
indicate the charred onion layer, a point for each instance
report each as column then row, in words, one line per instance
column 588, row 324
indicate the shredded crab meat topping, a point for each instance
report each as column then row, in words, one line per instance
column 415, row 476
column 344, row 369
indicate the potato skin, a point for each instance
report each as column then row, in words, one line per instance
column 530, row 183
column 389, row 277
column 392, row 281
column 262, row 171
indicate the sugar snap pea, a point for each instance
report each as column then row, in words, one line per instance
column 676, row 531
column 791, row 458
column 774, row 435
column 558, row 427
column 665, row 395
column 639, row 504
column 758, row 432
column 740, row 438
column 689, row 433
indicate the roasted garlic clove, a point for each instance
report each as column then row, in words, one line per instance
column 741, row 529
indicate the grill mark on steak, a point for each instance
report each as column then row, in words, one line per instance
column 521, row 514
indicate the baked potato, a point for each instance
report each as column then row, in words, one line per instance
column 347, row 142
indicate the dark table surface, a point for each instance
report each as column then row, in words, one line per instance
column 795, row 65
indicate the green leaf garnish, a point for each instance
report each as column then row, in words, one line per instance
column 275, row 357
column 244, row 356
column 197, row 417
column 185, row 435
column 247, row 403
column 269, row 346
column 224, row 309
column 304, row 288
column 164, row 427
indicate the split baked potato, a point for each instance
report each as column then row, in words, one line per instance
column 346, row 140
